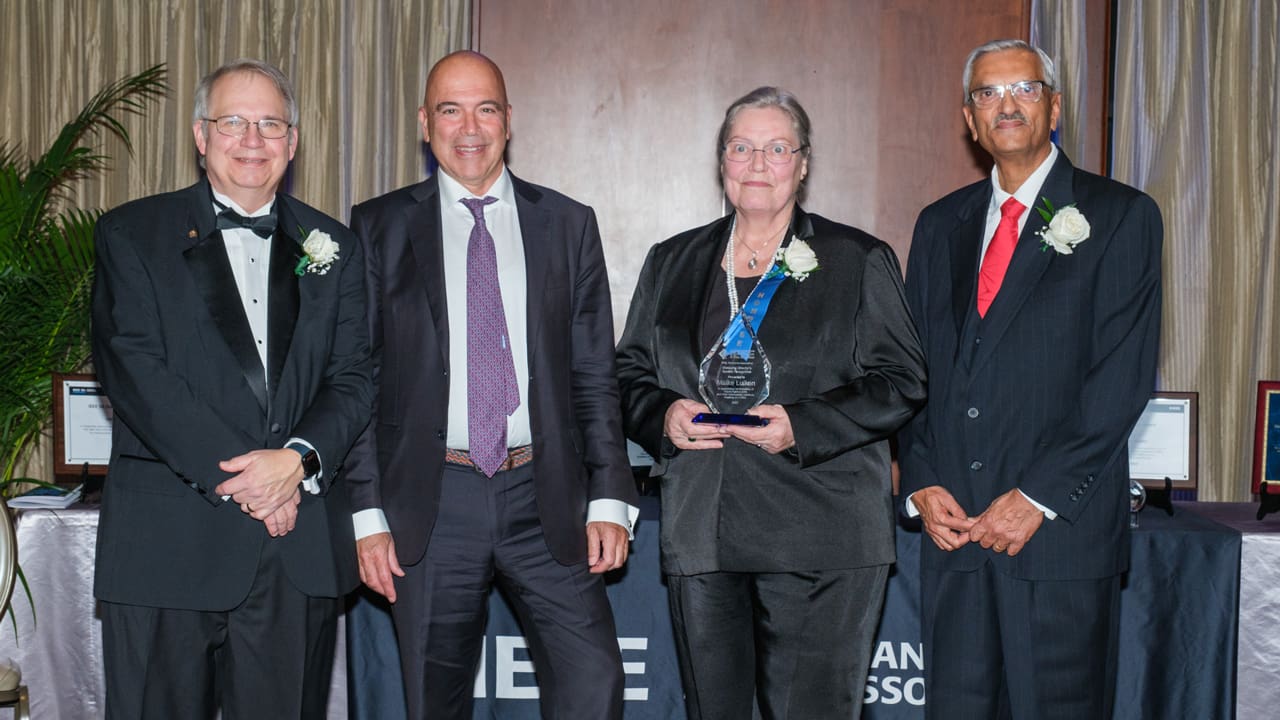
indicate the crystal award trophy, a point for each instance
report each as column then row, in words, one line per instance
column 734, row 377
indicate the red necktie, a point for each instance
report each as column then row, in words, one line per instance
column 996, row 261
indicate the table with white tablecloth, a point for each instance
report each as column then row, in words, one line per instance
column 1258, row 643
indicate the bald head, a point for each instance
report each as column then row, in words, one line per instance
column 466, row 119
column 465, row 63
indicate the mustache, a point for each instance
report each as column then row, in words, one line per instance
column 1017, row 115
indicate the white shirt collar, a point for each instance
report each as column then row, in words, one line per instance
column 451, row 191
column 1029, row 191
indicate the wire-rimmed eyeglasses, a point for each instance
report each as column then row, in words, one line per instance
column 236, row 126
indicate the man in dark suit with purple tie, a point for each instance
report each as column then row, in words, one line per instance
column 1041, row 335
column 496, row 451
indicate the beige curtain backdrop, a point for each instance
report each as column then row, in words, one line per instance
column 358, row 67
column 1058, row 27
column 1194, row 111
column 1195, row 126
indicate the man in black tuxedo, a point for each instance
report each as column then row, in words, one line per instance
column 237, row 361
column 496, row 451
column 1041, row 338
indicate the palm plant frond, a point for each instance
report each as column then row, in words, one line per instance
column 69, row 158
column 46, row 259
column 46, row 264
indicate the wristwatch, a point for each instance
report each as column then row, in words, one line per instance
column 310, row 459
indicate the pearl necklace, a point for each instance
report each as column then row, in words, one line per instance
column 731, row 282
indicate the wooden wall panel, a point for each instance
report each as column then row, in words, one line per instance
column 617, row 104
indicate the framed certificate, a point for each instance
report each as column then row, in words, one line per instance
column 81, row 425
column 1266, row 439
column 1164, row 442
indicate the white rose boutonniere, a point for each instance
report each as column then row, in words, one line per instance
column 321, row 251
column 795, row 261
column 1067, row 228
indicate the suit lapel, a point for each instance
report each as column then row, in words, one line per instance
column 788, row 309
column 964, row 246
column 535, row 231
column 211, row 272
column 427, row 244
column 282, row 295
column 1029, row 261
column 699, row 273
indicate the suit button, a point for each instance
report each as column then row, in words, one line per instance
column 975, row 465
column 275, row 428
column 973, row 412
column 977, row 341
column 439, row 434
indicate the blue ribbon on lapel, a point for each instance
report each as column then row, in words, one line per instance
column 736, row 338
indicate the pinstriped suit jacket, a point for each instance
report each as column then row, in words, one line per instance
column 1042, row 393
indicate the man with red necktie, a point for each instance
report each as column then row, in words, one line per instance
column 1037, row 297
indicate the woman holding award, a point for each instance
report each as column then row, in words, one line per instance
column 767, row 358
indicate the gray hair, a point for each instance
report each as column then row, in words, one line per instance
column 267, row 70
column 763, row 97
column 1046, row 63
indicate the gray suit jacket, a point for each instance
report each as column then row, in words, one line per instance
column 846, row 366
column 173, row 350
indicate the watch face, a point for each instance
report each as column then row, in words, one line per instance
column 310, row 463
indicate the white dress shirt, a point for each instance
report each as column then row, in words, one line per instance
column 250, row 258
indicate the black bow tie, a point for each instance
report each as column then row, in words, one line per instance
column 264, row 226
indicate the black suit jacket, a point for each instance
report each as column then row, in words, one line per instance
column 173, row 349
column 1042, row 393
column 846, row 365
column 578, row 451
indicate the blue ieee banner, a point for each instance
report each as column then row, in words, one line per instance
column 505, row 686
column 895, row 681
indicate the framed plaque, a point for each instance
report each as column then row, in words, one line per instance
column 1266, row 438
column 1164, row 442
column 81, row 425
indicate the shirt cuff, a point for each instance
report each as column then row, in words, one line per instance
column 369, row 522
column 1051, row 515
column 310, row 484
column 912, row 512
column 614, row 511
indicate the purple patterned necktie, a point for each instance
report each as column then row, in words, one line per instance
column 492, row 393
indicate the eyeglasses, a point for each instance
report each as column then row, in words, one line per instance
column 1025, row 91
column 236, row 126
column 778, row 153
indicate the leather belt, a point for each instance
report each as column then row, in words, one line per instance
column 516, row 457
